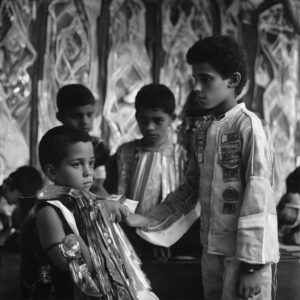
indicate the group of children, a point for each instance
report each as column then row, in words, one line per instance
column 228, row 167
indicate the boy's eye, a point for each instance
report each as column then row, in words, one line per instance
column 92, row 163
column 143, row 121
column 75, row 115
column 90, row 115
column 75, row 164
column 202, row 79
column 206, row 79
column 158, row 121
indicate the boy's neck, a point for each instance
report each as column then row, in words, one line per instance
column 223, row 108
column 156, row 145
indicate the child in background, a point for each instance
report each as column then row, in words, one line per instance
column 288, row 210
column 25, row 182
column 70, row 163
column 146, row 170
column 232, row 174
column 76, row 108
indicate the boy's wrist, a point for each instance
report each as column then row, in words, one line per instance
column 251, row 268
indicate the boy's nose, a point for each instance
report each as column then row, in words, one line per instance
column 198, row 86
column 150, row 126
column 88, row 170
column 85, row 120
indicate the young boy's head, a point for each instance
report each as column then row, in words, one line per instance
column 76, row 106
column 155, row 106
column 219, row 66
column 67, row 157
column 26, row 181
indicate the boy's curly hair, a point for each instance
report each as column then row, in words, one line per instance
column 55, row 142
column 73, row 95
column 155, row 96
column 224, row 54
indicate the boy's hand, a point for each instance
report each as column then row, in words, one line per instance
column 249, row 284
column 136, row 220
column 116, row 210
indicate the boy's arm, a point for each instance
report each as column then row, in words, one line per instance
column 116, row 210
column 51, row 233
column 183, row 199
column 257, row 237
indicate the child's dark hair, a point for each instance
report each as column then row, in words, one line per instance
column 155, row 96
column 224, row 54
column 293, row 181
column 54, row 144
column 27, row 180
column 73, row 95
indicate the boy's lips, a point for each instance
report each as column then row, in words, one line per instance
column 152, row 136
column 199, row 97
column 87, row 129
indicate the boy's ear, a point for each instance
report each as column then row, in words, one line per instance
column 234, row 80
column 50, row 172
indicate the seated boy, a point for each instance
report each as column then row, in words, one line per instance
column 288, row 210
column 69, row 164
column 231, row 174
column 76, row 108
column 146, row 170
column 25, row 182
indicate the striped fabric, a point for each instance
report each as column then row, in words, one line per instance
column 148, row 175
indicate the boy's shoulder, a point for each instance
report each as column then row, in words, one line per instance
column 130, row 146
column 247, row 119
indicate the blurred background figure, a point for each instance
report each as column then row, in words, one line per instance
column 288, row 210
column 16, row 193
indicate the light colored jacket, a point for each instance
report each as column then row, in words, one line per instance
column 233, row 173
column 149, row 174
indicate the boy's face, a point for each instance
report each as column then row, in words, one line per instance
column 12, row 195
column 77, row 168
column 210, row 88
column 80, row 117
column 153, row 125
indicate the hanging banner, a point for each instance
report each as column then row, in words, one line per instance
column 71, row 53
column 128, row 69
column 16, row 55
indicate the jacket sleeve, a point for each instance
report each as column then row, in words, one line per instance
column 257, row 237
column 179, row 202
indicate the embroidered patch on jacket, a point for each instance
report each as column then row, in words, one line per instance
column 229, row 156
column 231, row 195
column 230, row 208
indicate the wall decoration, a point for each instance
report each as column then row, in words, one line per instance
column 183, row 23
column 276, row 77
column 70, row 53
column 235, row 12
column 16, row 55
column 129, row 68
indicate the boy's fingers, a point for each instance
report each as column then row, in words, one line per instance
column 246, row 293
column 257, row 290
column 251, row 293
column 118, row 216
column 124, row 210
column 112, row 217
column 240, row 290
